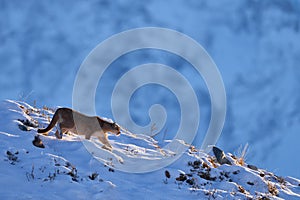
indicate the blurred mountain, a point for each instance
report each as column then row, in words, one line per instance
column 255, row 45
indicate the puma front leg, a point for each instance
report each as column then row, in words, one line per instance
column 103, row 139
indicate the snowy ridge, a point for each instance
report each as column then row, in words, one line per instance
column 64, row 169
column 254, row 43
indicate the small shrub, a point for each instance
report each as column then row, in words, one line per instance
column 93, row 176
column 273, row 189
column 12, row 157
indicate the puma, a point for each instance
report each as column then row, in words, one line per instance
column 78, row 123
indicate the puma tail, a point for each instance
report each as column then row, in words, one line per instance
column 51, row 125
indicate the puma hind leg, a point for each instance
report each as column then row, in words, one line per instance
column 45, row 134
column 60, row 131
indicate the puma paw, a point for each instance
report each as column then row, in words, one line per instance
column 107, row 147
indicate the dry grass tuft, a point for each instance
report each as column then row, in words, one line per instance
column 273, row 189
column 242, row 155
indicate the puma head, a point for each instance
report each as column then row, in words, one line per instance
column 115, row 128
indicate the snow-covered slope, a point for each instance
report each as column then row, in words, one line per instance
column 254, row 43
column 64, row 169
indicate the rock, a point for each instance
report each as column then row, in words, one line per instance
column 26, row 125
column 38, row 142
column 250, row 183
column 252, row 167
column 220, row 156
column 167, row 174
column 190, row 181
column 182, row 177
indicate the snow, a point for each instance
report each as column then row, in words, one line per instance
column 66, row 169
column 254, row 43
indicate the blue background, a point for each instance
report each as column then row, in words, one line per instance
column 255, row 45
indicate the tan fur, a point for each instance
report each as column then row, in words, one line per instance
column 78, row 123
